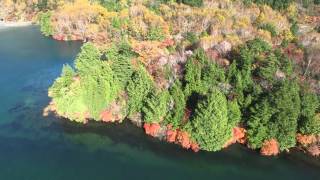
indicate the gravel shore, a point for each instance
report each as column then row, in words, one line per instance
column 15, row 24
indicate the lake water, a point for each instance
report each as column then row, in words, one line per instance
column 36, row 148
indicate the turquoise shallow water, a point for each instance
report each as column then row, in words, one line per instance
column 36, row 148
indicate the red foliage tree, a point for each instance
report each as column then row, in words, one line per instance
column 270, row 148
column 183, row 139
column 238, row 135
column 306, row 139
column 152, row 129
column 195, row 147
column 167, row 43
column 171, row 135
column 106, row 116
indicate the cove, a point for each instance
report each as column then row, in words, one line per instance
column 36, row 148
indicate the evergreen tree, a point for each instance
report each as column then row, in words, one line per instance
column 179, row 104
column 258, row 123
column 202, row 74
column 309, row 122
column 99, row 89
column 156, row 107
column 286, row 101
column 240, row 74
column 193, row 76
column 268, row 68
column 66, row 95
column 234, row 113
column 98, row 84
column 210, row 126
column 87, row 60
column 62, row 83
column 119, row 56
column 45, row 23
column 275, row 116
column 138, row 89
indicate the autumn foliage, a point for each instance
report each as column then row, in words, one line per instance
column 152, row 129
column 171, row 134
column 201, row 77
column 306, row 139
column 270, row 148
column 238, row 136
column 176, row 136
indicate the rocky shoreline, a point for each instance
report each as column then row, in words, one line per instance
column 308, row 144
column 4, row 24
column 203, row 88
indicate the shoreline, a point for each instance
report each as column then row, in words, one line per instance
column 4, row 24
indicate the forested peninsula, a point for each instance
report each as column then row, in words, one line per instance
column 203, row 74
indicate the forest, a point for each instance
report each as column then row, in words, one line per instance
column 202, row 74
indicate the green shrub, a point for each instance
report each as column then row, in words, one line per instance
column 63, row 82
column 317, row 28
column 155, row 34
column 45, row 23
column 71, row 104
column 294, row 28
column 66, row 95
column 275, row 4
column 191, row 37
column 117, row 23
column 196, row 3
column 111, row 5
column 269, row 27
column 307, row 3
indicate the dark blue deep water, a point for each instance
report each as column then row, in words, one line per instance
column 36, row 148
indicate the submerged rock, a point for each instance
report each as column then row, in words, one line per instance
column 314, row 150
column 51, row 108
column 136, row 119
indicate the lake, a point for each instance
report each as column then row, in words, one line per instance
column 33, row 147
